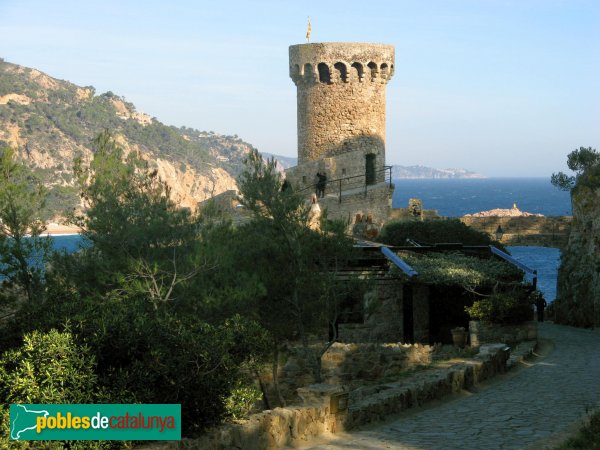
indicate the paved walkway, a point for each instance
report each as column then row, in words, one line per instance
column 525, row 407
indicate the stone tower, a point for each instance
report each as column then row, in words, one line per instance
column 341, row 98
column 341, row 89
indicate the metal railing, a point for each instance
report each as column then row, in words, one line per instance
column 354, row 182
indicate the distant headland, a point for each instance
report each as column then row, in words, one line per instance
column 407, row 172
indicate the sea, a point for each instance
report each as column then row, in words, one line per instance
column 457, row 197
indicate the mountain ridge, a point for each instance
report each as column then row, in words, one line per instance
column 50, row 122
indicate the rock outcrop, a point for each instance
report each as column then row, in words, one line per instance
column 578, row 300
column 512, row 212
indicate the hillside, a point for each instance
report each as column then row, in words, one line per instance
column 429, row 172
column 51, row 121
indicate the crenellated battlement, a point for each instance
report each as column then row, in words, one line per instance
column 341, row 62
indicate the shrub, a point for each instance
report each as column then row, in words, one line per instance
column 162, row 359
column 433, row 231
column 503, row 308
column 241, row 401
column 48, row 368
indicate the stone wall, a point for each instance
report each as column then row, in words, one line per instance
column 376, row 203
column 281, row 427
column 578, row 297
column 485, row 333
column 385, row 320
column 345, row 171
column 348, row 364
column 528, row 230
column 383, row 317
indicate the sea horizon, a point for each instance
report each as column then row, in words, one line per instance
column 455, row 197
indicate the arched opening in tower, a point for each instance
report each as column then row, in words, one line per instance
column 342, row 71
column 373, row 68
column 359, row 70
column 370, row 168
column 384, row 71
column 324, row 75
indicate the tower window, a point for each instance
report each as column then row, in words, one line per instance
column 384, row 70
column 370, row 168
column 343, row 71
column 359, row 70
column 324, row 75
column 373, row 67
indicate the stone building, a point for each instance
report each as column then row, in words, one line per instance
column 341, row 91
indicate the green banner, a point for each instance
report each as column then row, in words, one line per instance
column 95, row 422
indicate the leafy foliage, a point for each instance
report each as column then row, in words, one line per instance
column 296, row 264
column 433, row 231
column 132, row 223
column 48, row 368
column 503, row 308
column 22, row 197
column 241, row 400
column 459, row 269
column 585, row 162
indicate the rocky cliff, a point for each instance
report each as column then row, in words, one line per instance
column 51, row 121
column 578, row 300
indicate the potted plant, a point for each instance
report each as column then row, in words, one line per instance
column 459, row 336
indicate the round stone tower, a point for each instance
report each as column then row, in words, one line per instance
column 341, row 101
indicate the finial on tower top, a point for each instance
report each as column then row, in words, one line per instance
column 308, row 30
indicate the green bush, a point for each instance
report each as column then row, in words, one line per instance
column 48, row 368
column 503, row 308
column 169, row 359
column 241, row 401
column 433, row 231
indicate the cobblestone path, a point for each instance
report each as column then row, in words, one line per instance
column 527, row 406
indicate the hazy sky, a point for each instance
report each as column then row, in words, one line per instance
column 505, row 88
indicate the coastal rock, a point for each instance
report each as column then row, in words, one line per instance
column 512, row 212
column 578, row 301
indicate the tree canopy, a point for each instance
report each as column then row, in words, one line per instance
column 585, row 162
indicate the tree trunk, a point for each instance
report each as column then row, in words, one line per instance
column 275, row 371
column 266, row 401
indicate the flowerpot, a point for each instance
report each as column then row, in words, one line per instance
column 459, row 338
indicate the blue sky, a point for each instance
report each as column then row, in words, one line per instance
column 505, row 88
